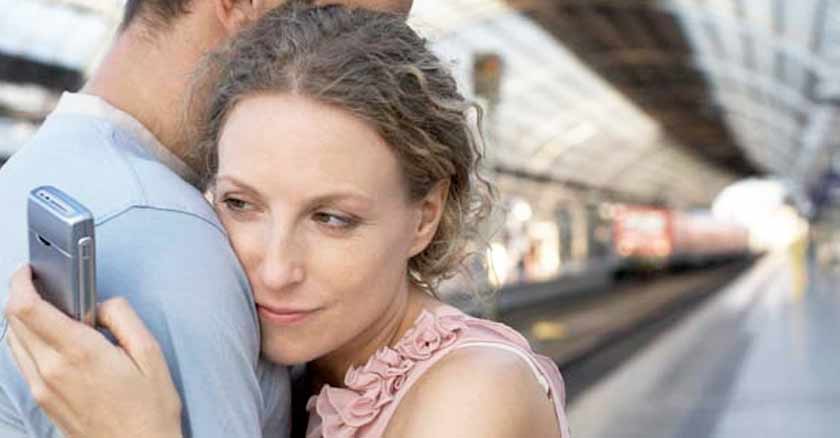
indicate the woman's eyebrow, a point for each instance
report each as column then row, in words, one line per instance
column 337, row 195
column 342, row 195
column 236, row 182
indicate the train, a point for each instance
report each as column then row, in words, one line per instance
column 654, row 238
column 623, row 241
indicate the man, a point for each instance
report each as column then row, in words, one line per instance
column 120, row 148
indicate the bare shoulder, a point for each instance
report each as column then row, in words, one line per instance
column 476, row 392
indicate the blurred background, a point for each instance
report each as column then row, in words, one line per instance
column 669, row 177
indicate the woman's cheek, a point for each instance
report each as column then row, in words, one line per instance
column 245, row 238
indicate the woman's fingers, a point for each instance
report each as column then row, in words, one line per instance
column 31, row 373
column 73, row 370
column 141, row 348
column 22, row 294
column 41, row 318
column 40, row 334
column 122, row 321
column 41, row 327
column 25, row 363
column 50, row 400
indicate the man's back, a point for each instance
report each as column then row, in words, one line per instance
column 159, row 245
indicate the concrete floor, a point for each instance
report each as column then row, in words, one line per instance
column 758, row 360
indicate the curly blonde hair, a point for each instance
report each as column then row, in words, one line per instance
column 373, row 65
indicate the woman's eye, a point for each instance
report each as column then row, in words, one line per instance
column 236, row 204
column 334, row 221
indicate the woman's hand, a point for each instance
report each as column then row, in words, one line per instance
column 86, row 385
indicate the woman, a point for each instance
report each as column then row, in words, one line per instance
column 342, row 163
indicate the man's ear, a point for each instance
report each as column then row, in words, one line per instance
column 431, row 211
column 236, row 14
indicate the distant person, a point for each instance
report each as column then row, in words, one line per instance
column 344, row 167
column 120, row 147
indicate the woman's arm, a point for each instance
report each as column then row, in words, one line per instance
column 476, row 392
column 86, row 385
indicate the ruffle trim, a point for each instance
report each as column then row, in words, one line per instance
column 341, row 412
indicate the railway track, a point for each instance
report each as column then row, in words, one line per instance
column 590, row 335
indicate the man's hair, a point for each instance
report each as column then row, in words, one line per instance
column 158, row 13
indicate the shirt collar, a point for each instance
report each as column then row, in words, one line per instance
column 94, row 106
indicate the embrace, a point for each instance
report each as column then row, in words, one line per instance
column 340, row 163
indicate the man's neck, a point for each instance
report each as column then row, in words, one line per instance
column 149, row 82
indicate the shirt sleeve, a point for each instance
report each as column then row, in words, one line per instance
column 181, row 276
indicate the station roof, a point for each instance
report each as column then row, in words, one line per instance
column 659, row 100
column 558, row 120
column 749, row 85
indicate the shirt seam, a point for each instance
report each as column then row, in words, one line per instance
column 118, row 213
column 108, row 133
column 114, row 133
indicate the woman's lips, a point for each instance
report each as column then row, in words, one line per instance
column 280, row 316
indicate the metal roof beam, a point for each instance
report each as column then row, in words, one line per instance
column 604, row 29
column 21, row 70
column 816, row 138
column 693, row 12
column 547, row 179
column 641, row 33
column 726, row 71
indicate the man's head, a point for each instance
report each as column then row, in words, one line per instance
column 162, row 13
column 172, row 37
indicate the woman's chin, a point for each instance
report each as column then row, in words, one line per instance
column 285, row 352
column 283, row 355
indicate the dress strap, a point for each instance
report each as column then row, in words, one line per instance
column 519, row 352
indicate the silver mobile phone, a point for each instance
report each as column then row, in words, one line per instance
column 62, row 252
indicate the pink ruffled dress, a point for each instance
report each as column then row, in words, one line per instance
column 364, row 408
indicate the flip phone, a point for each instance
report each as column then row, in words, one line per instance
column 62, row 252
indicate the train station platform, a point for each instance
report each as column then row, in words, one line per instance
column 759, row 359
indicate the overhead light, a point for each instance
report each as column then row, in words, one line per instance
column 521, row 210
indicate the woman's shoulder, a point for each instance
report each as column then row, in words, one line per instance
column 484, row 392
column 449, row 375
column 472, row 370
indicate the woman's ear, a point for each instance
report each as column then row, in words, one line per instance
column 431, row 211
column 236, row 14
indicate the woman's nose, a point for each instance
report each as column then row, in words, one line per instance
column 282, row 263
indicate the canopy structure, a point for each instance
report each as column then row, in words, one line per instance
column 749, row 85
column 555, row 119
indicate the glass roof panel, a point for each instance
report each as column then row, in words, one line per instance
column 53, row 32
column 548, row 98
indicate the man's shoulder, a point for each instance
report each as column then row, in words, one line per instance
column 160, row 245
column 104, row 167
column 133, row 199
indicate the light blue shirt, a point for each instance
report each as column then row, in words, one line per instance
column 160, row 245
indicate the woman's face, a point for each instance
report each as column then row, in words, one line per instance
column 317, row 211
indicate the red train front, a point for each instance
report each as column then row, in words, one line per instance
column 654, row 238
